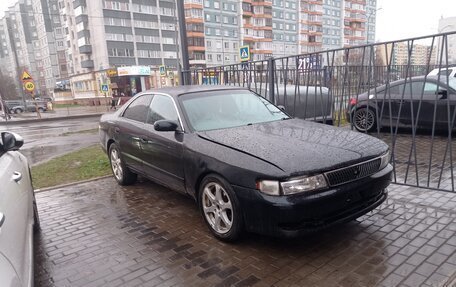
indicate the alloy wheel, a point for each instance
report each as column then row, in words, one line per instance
column 364, row 119
column 217, row 208
column 116, row 164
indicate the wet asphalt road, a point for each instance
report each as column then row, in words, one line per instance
column 46, row 140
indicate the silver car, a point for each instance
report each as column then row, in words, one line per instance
column 18, row 214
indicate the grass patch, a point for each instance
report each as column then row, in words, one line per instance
column 86, row 163
column 91, row 131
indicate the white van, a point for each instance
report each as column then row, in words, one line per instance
column 451, row 71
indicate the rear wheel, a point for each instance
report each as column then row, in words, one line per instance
column 121, row 172
column 41, row 110
column 18, row 111
column 364, row 120
column 220, row 208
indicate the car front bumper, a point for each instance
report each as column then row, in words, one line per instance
column 294, row 215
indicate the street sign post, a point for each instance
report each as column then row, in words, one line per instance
column 26, row 76
column 162, row 70
column 29, row 86
column 244, row 53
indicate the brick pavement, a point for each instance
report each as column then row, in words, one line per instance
column 101, row 234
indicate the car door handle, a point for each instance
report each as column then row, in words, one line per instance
column 17, row 176
column 2, row 219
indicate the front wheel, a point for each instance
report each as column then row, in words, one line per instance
column 121, row 172
column 18, row 111
column 220, row 208
column 364, row 120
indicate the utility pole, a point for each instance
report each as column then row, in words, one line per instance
column 184, row 79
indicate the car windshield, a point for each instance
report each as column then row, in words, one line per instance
column 229, row 108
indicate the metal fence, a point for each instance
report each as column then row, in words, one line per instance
column 403, row 92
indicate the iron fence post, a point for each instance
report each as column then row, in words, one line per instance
column 271, row 69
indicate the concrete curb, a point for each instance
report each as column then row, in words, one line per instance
column 71, row 184
column 71, row 117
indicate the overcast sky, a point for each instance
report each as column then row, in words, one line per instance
column 397, row 19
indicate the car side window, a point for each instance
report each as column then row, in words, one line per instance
column 138, row 109
column 430, row 88
column 161, row 108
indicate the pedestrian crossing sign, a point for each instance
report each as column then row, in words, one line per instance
column 244, row 53
column 162, row 70
column 104, row 88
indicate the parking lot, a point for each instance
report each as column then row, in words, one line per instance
column 101, row 234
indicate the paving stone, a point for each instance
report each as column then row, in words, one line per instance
column 101, row 234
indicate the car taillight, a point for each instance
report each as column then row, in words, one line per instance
column 353, row 101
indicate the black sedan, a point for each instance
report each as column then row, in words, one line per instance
column 247, row 164
column 423, row 102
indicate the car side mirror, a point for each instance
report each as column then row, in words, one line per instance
column 11, row 141
column 166, row 126
column 443, row 93
column 282, row 108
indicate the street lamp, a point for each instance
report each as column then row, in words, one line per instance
column 372, row 12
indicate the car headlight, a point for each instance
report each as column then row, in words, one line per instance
column 298, row 185
column 385, row 159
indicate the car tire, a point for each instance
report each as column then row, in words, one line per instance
column 364, row 119
column 220, row 208
column 18, row 111
column 121, row 172
column 41, row 110
column 36, row 217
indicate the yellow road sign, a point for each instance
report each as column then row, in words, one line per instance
column 29, row 86
column 26, row 76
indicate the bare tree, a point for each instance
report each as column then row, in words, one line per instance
column 8, row 88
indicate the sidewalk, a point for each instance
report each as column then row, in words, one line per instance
column 58, row 114
column 146, row 235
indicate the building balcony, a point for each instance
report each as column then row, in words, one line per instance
column 261, row 51
column 189, row 20
column 77, row 3
column 195, row 34
column 193, row 6
column 315, row 2
column 87, row 64
column 247, row 13
column 82, row 18
column 356, row 20
column 86, row 49
column 196, row 48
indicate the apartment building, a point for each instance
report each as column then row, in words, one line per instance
column 50, row 50
column 32, row 40
column 274, row 28
column 18, row 37
column 7, row 58
column 421, row 54
column 103, row 34
column 447, row 25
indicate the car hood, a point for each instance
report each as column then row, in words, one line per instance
column 297, row 146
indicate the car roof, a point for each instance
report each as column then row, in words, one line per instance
column 418, row 78
column 181, row 90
